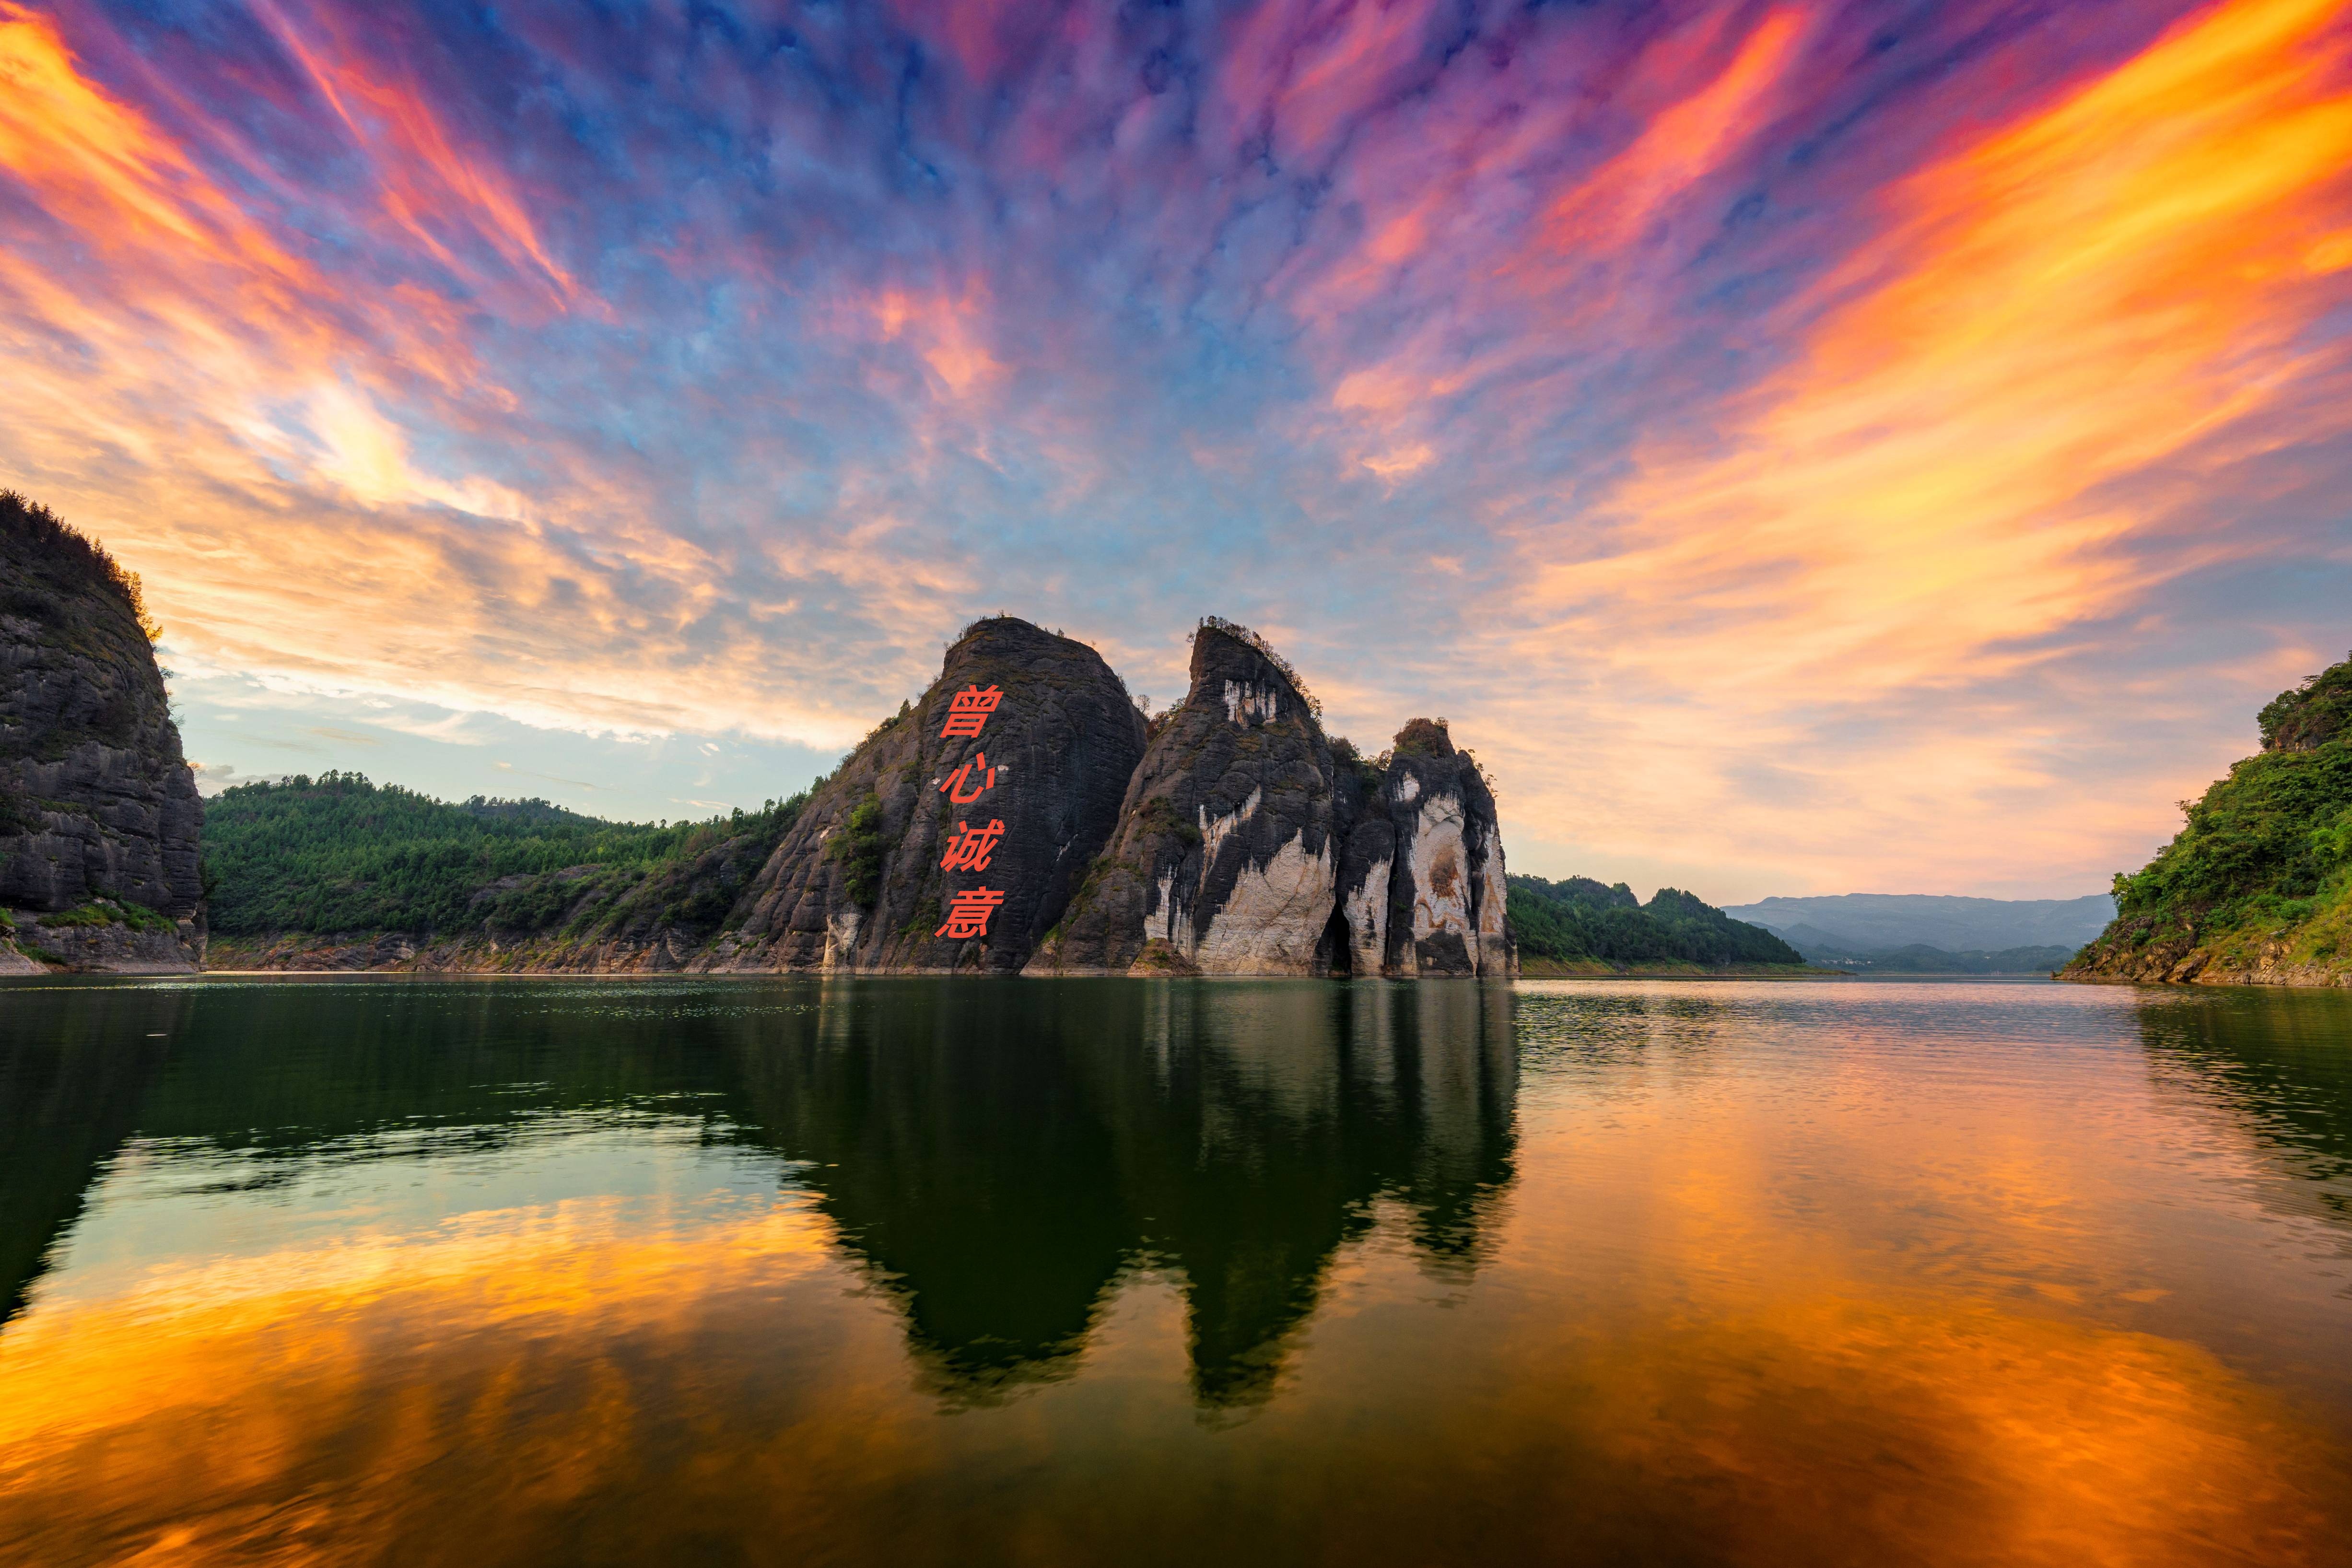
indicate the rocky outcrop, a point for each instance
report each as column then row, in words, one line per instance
column 1250, row 842
column 1019, row 818
column 1226, row 857
column 1425, row 885
column 99, row 811
column 1019, row 754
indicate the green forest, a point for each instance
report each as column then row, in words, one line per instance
column 1582, row 919
column 338, row 853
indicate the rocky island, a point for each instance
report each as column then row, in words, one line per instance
column 1022, row 816
column 100, row 818
column 2256, row 889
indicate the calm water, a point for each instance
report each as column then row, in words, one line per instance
column 504, row 1272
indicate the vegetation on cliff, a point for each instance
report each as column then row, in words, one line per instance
column 2257, row 886
column 1582, row 919
column 338, row 853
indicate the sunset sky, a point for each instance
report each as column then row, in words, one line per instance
column 1801, row 447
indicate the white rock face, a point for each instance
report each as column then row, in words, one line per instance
column 1366, row 913
column 1441, row 871
column 1214, row 831
column 1270, row 923
column 1245, row 702
column 1493, row 955
column 1275, row 916
column 840, row 939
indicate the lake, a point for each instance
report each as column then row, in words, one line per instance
column 503, row 1271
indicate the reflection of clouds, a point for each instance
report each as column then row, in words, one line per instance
column 1744, row 1274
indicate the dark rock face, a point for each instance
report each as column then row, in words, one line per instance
column 1251, row 844
column 96, row 799
column 857, row 884
column 1227, row 854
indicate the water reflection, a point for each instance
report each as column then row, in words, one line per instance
column 998, row 1157
column 73, row 1074
column 1002, row 1157
column 977, row 1272
column 2278, row 1064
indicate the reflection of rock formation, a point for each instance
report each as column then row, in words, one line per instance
column 1002, row 1158
column 76, row 1069
column 999, row 1157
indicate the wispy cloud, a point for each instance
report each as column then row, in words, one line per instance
column 1811, row 439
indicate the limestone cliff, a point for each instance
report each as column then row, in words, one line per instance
column 1226, row 857
column 1030, row 786
column 1425, row 874
column 1250, row 842
column 99, row 819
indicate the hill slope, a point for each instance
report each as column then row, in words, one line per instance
column 2257, row 887
column 1581, row 923
column 1881, row 923
column 363, row 874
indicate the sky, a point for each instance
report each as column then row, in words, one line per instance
column 1801, row 447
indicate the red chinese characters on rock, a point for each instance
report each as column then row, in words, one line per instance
column 975, row 772
column 968, row 711
column 971, row 846
column 968, row 913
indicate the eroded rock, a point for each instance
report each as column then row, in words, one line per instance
column 858, row 884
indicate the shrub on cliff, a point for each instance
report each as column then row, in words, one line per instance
column 32, row 532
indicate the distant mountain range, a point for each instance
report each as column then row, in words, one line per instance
column 1918, row 934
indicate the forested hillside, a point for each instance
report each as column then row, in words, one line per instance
column 1580, row 919
column 2257, row 886
column 338, row 853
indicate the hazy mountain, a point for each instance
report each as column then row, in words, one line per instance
column 1880, row 922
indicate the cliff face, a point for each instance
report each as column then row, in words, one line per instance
column 2256, row 889
column 99, row 819
column 1017, row 756
column 1249, row 844
column 1226, row 857
column 1446, row 891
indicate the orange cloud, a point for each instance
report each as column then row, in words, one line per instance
column 1920, row 501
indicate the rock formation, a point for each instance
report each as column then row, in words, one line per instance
column 1423, row 885
column 1249, row 843
column 100, row 818
column 1226, row 857
column 1032, row 786
column 1019, row 818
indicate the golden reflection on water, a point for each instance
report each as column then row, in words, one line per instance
column 1714, row 1316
